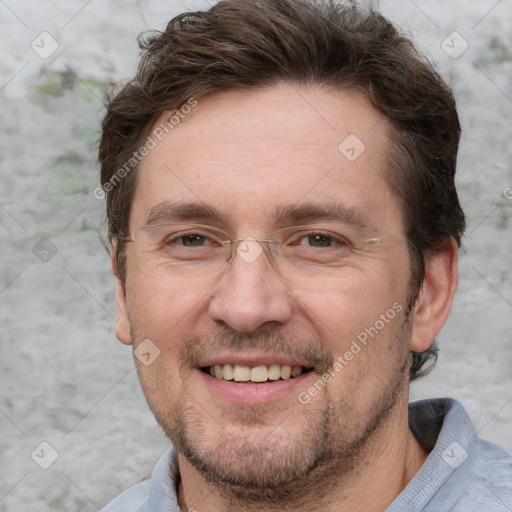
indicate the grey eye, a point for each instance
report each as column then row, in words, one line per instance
column 319, row 240
column 193, row 240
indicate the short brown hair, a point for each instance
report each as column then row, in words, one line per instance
column 258, row 43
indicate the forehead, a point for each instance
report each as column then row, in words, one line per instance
column 248, row 153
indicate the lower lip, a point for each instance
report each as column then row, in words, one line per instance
column 244, row 393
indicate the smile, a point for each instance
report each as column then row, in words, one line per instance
column 255, row 374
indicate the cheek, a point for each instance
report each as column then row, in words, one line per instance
column 359, row 294
column 153, row 299
column 160, row 313
column 362, row 306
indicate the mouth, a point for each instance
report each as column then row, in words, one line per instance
column 260, row 374
column 253, row 377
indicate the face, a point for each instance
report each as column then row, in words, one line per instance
column 303, row 167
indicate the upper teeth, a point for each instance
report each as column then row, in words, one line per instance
column 262, row 373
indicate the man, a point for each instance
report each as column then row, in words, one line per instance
column 284, row 225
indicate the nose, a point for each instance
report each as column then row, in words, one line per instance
column 250, row 296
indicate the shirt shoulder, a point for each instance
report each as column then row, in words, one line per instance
column 154, row 494
column 481, row 480
column 132, row 500
column 462, row 473
column 489, row 484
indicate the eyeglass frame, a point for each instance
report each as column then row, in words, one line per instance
column 272, row 254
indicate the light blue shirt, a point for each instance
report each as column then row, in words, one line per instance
column 461, row 474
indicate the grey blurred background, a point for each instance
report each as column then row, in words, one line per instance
column 65, row 380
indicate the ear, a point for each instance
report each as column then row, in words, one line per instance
column 123, row 331
column 435, row 299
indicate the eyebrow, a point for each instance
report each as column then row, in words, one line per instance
column 330, row 211
column 284, row 215
column 175, row 211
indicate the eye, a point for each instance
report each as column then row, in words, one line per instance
column 319, row 240
column 192, row 240
column 182, row 240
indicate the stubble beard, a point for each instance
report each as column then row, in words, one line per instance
column 254, row 470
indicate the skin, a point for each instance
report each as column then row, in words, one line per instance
column 246, row 153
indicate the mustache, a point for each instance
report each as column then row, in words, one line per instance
column 309, row 350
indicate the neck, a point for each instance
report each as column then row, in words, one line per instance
column 387, row 463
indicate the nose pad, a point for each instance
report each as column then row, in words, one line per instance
column 249, row 249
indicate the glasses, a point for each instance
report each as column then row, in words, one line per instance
column 195, row 251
